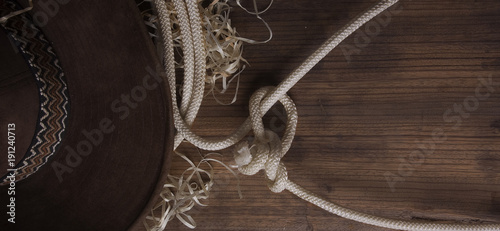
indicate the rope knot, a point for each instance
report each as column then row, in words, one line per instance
column 267, row 149
column 263, row 154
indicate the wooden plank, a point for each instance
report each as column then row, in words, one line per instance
column 361, row 116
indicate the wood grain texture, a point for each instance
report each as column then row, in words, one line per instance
column 362, row 116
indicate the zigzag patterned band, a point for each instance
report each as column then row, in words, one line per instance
column 52, row 87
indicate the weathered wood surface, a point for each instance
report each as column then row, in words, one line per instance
column 361, row 116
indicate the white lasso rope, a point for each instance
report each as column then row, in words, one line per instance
column 267, row 149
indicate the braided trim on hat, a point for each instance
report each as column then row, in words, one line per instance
column 52, row 88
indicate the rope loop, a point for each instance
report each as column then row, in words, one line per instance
column 267, row 149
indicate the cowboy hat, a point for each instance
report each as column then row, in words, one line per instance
column 86, row 116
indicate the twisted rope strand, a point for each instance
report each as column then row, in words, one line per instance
column 188, row 56
column 200, row 59
column 380, row 221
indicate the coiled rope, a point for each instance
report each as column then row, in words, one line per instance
column 267, row 149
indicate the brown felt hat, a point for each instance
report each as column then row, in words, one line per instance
column 84, row 116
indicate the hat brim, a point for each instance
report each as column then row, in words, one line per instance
column 119, row 105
